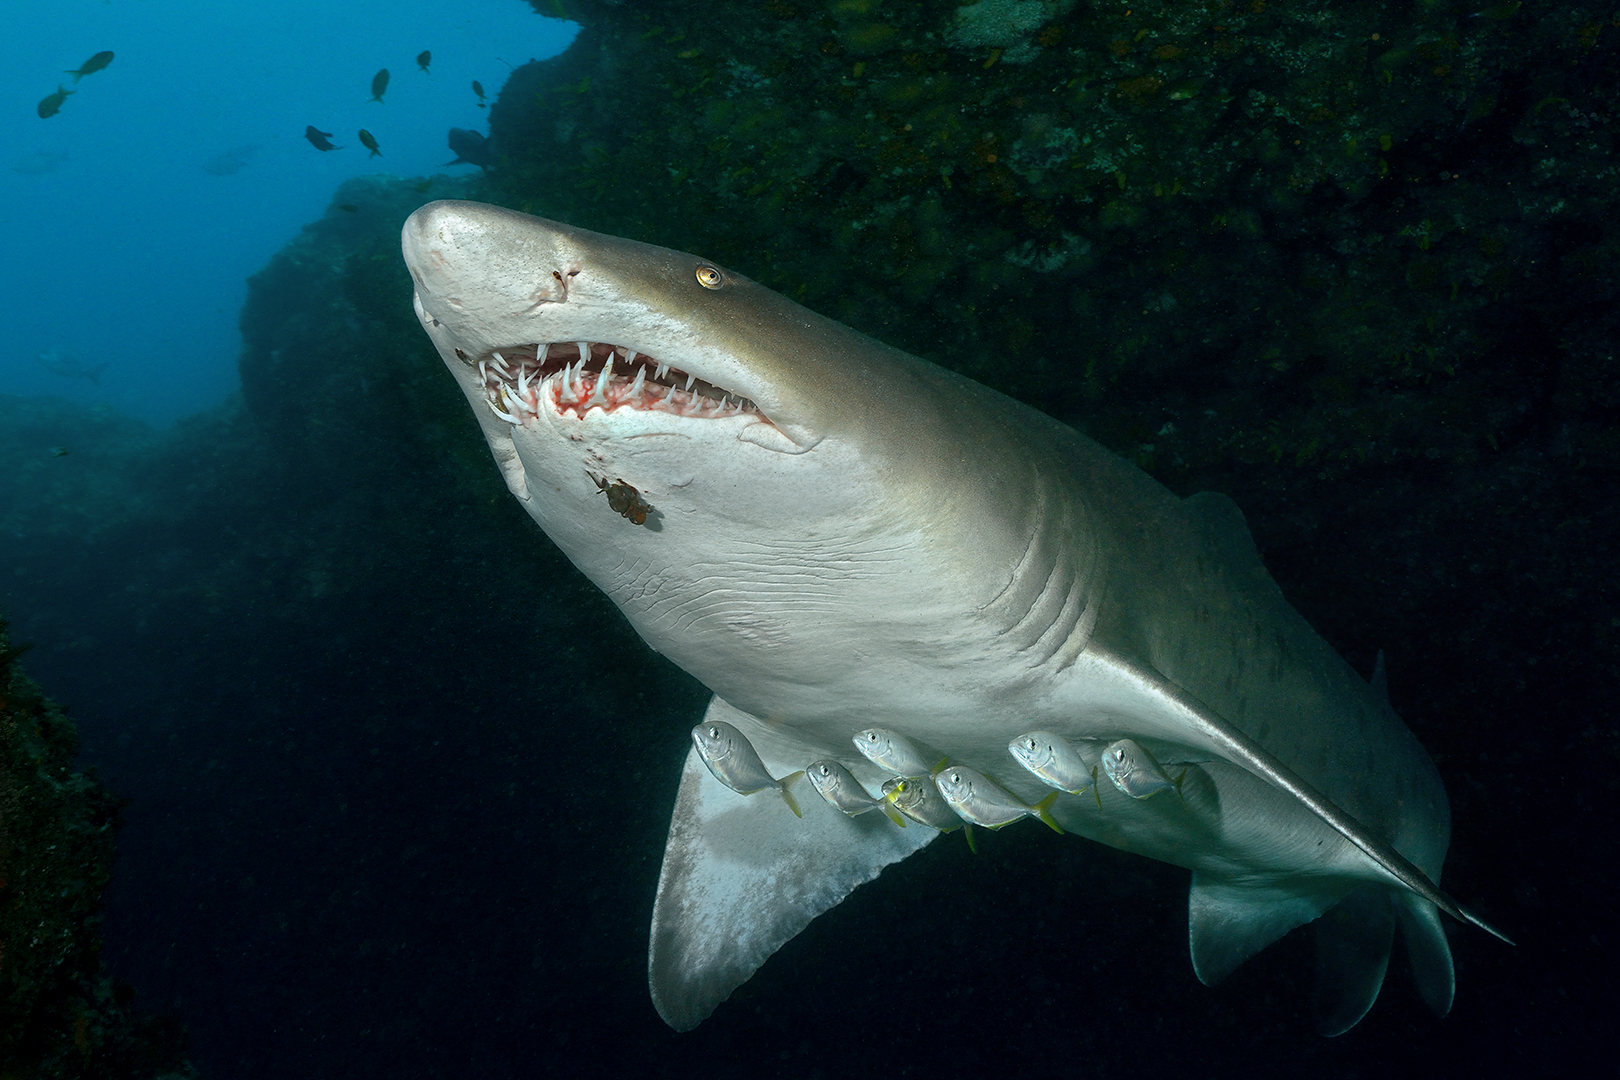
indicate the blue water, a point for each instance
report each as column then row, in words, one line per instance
column 134, row 216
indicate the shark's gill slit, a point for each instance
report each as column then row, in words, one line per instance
column 574, row 377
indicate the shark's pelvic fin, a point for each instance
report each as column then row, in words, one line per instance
column 1353, row 940
column 742, row 875
column 1228, row 922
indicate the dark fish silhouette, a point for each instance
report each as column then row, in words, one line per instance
column 368, row 141
column 478, row 88
column 379, row 83
column 91, row 66
column 231, row 161
column 471, row 148
column 423, row 59
column 51, row 104
column 63, row 363
column 318, row 139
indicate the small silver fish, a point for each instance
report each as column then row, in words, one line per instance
column 735, row 763
column 916, row 798
column 1055, row 761
column 979, row 799
column 843, row 792
column 1134, row 771
column 893, row 751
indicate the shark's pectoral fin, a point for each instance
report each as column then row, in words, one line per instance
column 1353, row 939
column 742, row 875
column 1228, row 922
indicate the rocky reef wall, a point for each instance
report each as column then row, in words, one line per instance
column 61, row 1014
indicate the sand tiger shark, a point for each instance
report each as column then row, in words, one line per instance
column 832, row 535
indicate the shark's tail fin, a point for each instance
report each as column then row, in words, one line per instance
column 1353, row 939
column 1427, row 951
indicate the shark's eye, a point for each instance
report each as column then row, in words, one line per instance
column 709, row 277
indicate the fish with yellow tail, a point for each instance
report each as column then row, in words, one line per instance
column 846, row 794
column 1135, row 772
column 1058, row 763
column 977, row 798
column 918, row 799
column 735, row 763
column 893, row 751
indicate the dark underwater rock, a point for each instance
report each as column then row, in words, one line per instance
column 61, row 1013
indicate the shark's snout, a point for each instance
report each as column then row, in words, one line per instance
column 482, row 269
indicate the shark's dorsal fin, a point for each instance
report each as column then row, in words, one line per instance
column 1380, row 679
column 1223, row 523
column 742, row 875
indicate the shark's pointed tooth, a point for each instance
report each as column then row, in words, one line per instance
column 742, row 875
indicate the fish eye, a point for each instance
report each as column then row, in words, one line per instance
column 1029, row 744
column 709, row 277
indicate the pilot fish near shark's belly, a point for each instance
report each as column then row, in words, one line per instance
column 838, row 537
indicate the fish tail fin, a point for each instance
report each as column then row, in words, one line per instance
column 787, row 796
column 1043, row 810
column 939, row 765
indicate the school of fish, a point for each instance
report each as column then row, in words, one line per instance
column 926, row 788
column 471, row 147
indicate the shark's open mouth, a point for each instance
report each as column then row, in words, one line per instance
column 578, row 376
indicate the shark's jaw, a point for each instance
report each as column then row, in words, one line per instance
column 572, row 378
column 573, row 321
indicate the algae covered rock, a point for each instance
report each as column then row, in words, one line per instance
column 1318, row 234
column 61, row 1015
